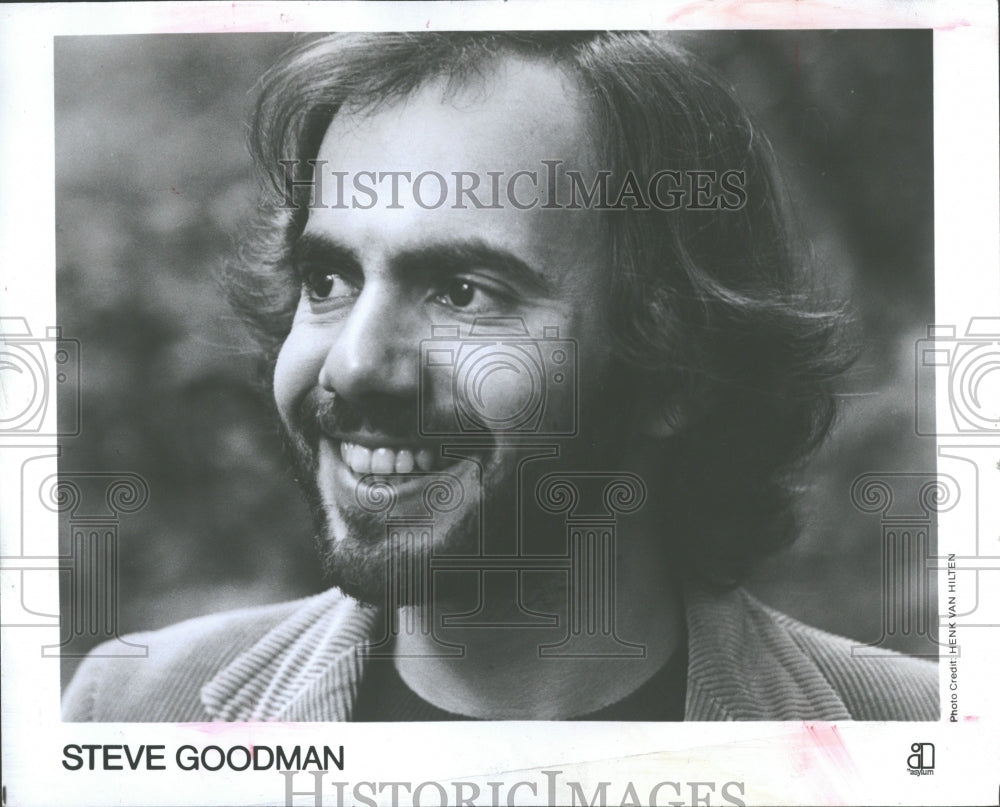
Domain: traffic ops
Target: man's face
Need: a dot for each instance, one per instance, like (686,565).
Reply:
(359,408)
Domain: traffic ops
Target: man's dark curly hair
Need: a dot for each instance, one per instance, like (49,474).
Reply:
(711,308)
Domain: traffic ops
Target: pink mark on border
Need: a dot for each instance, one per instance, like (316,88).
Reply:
(827,739)
(715,15)
(804,14)
(820,752)
(211,728)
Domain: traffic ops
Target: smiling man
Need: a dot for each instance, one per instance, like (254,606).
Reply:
(541,354)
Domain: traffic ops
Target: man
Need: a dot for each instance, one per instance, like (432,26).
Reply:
(540,350)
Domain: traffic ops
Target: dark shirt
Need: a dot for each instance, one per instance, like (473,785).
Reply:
(385,697)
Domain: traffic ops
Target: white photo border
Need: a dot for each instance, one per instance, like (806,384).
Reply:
(776,763)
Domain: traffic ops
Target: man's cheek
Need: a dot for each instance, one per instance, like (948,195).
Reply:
(292,377)
(502,396)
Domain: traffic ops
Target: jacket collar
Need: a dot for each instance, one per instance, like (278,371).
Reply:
(743,664)
(308,665)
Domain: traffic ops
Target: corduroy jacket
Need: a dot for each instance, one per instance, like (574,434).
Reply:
(302,661)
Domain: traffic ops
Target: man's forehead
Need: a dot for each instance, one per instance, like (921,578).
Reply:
(506,115)
(507,120)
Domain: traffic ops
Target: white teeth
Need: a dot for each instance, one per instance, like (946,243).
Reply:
(384,460)
(361,460)
(404,461)
(425,459)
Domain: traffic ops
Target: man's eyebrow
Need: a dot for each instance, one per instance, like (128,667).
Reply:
(316,248)
(439,258)
(454,257)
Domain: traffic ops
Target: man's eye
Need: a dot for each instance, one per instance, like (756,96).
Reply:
(458,293)
(322,284)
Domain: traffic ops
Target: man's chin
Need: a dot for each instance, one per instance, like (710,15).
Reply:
(389,565)
(358,571)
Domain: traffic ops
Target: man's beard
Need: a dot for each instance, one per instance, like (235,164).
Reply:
(370,553)
(364,553)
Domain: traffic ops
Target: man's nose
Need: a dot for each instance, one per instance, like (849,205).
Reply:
(375,349)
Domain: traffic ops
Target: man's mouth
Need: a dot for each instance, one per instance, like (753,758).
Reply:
(388,459)
(363,459)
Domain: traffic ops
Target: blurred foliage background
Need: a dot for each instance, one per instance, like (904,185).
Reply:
(152,180)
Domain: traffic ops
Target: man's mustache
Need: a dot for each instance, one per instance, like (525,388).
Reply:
(333,415)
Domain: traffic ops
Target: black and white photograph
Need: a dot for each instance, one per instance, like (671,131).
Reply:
(546,336)
(518,391)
